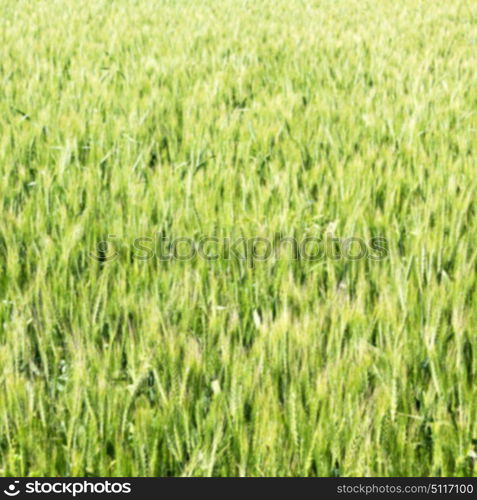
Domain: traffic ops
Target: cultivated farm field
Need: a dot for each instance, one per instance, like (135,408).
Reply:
(348,125)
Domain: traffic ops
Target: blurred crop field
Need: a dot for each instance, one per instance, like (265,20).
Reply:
(126,119)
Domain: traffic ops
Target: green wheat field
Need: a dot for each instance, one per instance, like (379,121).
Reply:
(125,119)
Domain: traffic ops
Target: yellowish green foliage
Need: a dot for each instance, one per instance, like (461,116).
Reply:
(238,118)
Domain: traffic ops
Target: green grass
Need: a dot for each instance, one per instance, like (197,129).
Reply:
(238,118)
